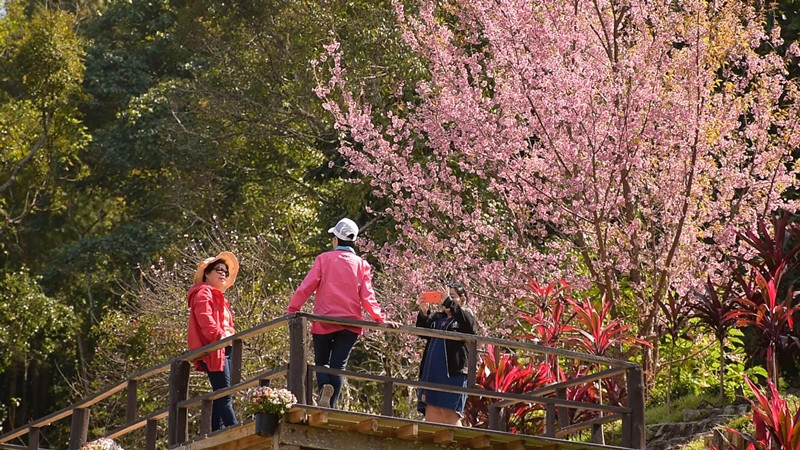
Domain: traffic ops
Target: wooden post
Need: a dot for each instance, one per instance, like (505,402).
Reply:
(298,358)
(388,396)
(563,412)
(178,392)
(496,417)
(236,362)
(33,438)
(597,434)
(633,432)
(626,429)
(472,363)
(152,434)
(80,428)
(132,408)
(598,437)
(205,416)
(311,388)
(550,420)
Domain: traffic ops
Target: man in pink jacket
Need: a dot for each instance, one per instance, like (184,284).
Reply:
(343,285)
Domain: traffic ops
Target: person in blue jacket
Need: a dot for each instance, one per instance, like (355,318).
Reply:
(445,361)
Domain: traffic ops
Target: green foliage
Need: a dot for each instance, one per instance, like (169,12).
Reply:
(658,413)
(741,423)
(133,47)
(738,365)
(696,365)
(40,133)
(3,415)
(698,444)
(48,61)
(34,325)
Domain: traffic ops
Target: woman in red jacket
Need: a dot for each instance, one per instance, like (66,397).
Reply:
(210,320)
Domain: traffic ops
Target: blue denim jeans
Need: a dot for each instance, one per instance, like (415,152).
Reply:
(333,350)
(222,413)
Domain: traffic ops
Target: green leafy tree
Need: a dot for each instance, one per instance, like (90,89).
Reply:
(40,130)
(41,140)
(35,327)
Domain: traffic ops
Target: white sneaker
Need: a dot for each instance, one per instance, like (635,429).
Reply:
(325,396)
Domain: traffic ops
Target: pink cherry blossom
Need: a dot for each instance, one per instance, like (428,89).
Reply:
(609,143)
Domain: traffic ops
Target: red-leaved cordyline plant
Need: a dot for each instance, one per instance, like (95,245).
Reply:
(549,325)
(717,312)
(776,427)
(508,374)
(544,296)
(772,318)
(775,251)
(599,139)
(777,258)
(596,334)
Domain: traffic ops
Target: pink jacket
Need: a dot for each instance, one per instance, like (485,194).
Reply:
(210,319)
(343,283)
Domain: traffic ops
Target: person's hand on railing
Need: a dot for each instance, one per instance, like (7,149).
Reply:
(392,324)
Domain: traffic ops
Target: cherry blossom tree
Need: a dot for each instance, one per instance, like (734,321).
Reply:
(619,144)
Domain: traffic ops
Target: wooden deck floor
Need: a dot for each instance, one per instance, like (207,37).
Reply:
(324,428)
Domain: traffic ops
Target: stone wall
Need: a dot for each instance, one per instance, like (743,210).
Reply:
(696,424)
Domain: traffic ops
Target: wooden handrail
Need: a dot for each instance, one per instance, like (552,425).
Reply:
(455,336)
(298,374)
(222,343)
(252,382)
(127,428)
(507,398)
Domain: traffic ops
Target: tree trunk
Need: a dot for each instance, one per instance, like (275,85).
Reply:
(669,373)
(721,369)
(772,364)
(12,393)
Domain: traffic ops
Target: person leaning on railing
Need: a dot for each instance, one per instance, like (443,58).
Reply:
(343,285)
(210,320)
(445,361)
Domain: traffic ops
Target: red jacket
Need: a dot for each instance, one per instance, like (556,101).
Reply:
(210,320)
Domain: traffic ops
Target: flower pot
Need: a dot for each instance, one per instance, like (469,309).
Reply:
(266,424)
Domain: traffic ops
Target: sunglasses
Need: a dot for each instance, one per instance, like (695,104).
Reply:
(221,270)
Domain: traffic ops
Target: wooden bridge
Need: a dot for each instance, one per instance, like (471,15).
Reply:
(310,427)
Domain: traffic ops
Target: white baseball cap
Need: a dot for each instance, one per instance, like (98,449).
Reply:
(345,230)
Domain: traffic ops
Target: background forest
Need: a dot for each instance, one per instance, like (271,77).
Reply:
(643,155)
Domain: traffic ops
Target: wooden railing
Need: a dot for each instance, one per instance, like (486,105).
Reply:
(298,374)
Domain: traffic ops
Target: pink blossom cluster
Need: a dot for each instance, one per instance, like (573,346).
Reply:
(265,399)
(616,144)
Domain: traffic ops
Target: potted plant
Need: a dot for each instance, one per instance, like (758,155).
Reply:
(268,405)
(101,444)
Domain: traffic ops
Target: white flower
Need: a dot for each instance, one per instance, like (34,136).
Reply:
(101,444)
(265,399)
